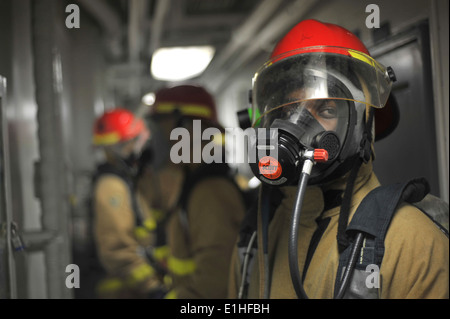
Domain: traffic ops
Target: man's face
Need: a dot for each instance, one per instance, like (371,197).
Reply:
(323,110)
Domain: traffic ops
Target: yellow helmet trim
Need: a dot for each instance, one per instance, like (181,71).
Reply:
(186,109)
(106,139)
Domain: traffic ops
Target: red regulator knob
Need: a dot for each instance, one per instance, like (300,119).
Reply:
(320,155)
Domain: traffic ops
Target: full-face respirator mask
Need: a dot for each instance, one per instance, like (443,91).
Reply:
(314,111)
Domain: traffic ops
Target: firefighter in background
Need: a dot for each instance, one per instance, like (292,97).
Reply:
(323,219)
(123,223)
(203,204)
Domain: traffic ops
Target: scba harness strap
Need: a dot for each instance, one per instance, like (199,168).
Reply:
(372,218)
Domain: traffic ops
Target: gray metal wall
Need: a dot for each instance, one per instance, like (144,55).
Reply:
(55,77)
(410,151)
(15,65)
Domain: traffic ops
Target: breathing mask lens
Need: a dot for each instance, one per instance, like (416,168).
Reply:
(312,118)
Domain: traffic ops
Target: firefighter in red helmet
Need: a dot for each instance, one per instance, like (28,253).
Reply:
(122,219)
(203,204)
(324,226)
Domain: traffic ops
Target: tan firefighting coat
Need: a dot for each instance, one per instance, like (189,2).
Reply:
(415,264)
(201,245)
(120,244)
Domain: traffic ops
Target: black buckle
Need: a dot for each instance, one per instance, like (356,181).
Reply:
(365,151)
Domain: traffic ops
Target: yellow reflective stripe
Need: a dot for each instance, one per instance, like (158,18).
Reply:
(367,59)
(139,274)
(110,285)
(150,224)
(171,295)
(161,252)
(361,56)
(167,280)
(106,139)
(158,214)
(186,109)
(181,267)
(141,232)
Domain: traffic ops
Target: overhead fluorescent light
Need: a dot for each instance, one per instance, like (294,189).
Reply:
(180,63)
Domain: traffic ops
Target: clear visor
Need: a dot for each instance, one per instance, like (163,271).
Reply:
(313,79)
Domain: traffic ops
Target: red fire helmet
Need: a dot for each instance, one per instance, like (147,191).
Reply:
(118,125)
(190,100)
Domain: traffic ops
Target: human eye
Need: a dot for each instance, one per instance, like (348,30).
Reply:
(326,109)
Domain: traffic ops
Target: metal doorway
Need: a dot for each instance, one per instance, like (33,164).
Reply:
(410,151)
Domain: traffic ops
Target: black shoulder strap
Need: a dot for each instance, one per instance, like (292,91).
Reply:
(273,198)
(372,218)
(107,168)
(375,212)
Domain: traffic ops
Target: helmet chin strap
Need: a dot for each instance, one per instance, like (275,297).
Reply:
(364,155)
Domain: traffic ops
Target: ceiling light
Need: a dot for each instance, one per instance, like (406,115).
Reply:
(180,63)
(149,98)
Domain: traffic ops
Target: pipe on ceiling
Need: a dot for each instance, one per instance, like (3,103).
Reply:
(244,33)
(161,11)
(109,21)
(262,39)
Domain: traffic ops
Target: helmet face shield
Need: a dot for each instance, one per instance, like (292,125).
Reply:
(330,73)
(320,95)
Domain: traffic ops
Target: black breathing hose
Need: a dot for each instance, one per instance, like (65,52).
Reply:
(245,266)
(293,235)
(293,241)
(351,265)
